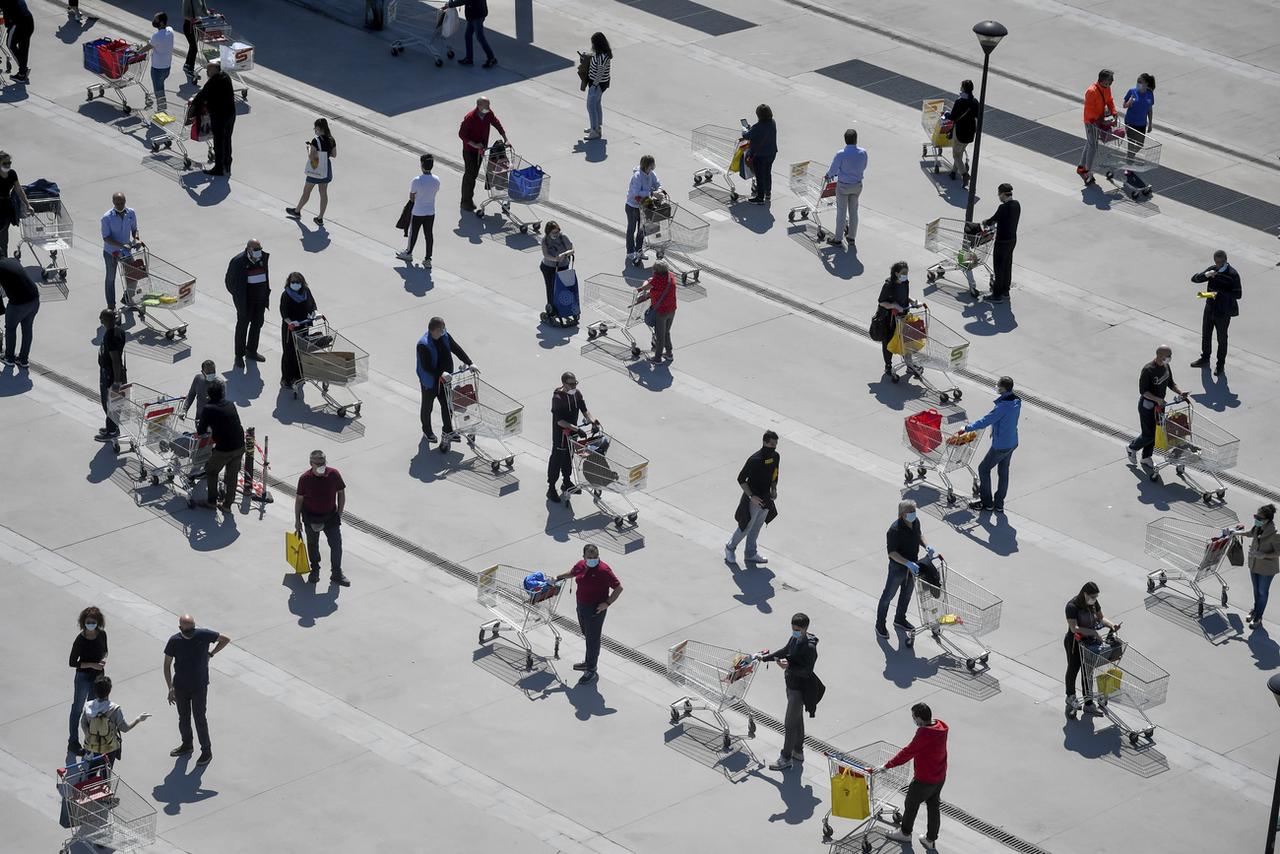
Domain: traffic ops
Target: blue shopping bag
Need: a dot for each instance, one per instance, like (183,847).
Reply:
(565,295)
(525,184)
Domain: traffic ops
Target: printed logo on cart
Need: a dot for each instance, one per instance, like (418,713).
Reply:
(957,354)
(638,474)
(512,421)
(184,291)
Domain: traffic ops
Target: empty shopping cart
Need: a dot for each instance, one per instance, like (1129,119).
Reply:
(216,40)
(47,229)
(959,246)
(809,183)
(613,300)
(428,25)
(1190,554)
(718,677)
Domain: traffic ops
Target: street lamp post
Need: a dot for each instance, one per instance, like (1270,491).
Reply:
(1274,684)
(989,34)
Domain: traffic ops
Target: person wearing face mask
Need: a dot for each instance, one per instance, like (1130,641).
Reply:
(758,481)
(804,689)
(162,58)
(186,674)
(20,26)
(322,495)
(103,722)
(1222,284)
(1085,622)
(248,282)
(557,255)
(964,127)
(218,97)
(1263,559)
(568,409)
(1005,219)
(1003,421)
(199,391)
(1154,381)
(321,150)
(928,749)
(220,420)
(435,352)
(597,588)
(1139,112)
(119,236)
(903,542)
(12,200)
(894,301)
(422,211)
(474,133)
(297,309)
(89,660)
(644,183)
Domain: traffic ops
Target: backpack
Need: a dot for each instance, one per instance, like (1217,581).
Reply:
(104,733)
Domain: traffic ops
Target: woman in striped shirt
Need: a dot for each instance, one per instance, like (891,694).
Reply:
(597,81)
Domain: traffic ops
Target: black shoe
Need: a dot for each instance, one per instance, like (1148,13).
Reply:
(313,577)
(466,62)
(239,363)
(1202,362)
(340,580)
(1217,372)
(431,437)
(257,357)
(978,505)
(293,212)
(206,756)
(587,677)
(318,220)
(582,665)
(552,495)
(569,488)
(21,78)
(23,363)
(181,750)
(997,510)
(490,62)
(882,631)
(952,174)
(904,624)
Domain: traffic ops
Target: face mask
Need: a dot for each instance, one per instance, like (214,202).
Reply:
(4,170)
(319,470)
(483,113)
(910,517)
(296,286)
(255,254)
(902,278)
(796,633)
(210,377)
(593,562)
(1223,268)
(1258,521)
(90,626)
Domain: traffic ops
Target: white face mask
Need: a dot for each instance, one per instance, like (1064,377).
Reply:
(297,286)
(4,170)
(255,254)
(210,377)
(319,470)
(89,627)
(902,278)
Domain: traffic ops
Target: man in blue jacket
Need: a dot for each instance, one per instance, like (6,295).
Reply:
(1003,421)
(435,363)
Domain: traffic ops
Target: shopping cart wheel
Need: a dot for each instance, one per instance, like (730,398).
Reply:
(342,412)
(697,176)
(168,336)
(982,659)
(494,466)
(822,234)
(356,411)
(479,213)
(944,398)
(155,148)
(726,743)
(557,650)
(1151,585)
(481,638)
(244,94)
(449,53)
(617,522)
(1133,739)
(591,333)
(511,463)
(1150,733)
(970,665)
(524,229)
(396,49)
(733,197)
(956,394)
(528,661)
(909,640)
(115,446)
(1208,497)
(951,497)
(930,276)
(634,516)
(675,717)
(1221,493)
(635,352)
(866,845)
(907,478)
(1180,470)
(182,332)
(1224,597)
(439,62)
(186,163)
(88,94)
(827,832)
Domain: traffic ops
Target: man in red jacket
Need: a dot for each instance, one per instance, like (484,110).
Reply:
(929,750)
(474,133)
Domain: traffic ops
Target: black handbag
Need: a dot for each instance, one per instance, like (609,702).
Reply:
(879,328)
(1235,553)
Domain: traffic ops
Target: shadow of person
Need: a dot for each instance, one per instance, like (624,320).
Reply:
(1083,737)
(1265,651)
(1217,394)
(756,584)
(596,150)
(654,376)
(902,666)
(429,464)
(989,318)
(1096,196)
(417,280)
(951,189)
(797,796)
(1002,538)
(180,787)
(215,188)
(587,701)
(244,385)
(757,218)
(312,239)
(103,464)
(471,227)
(14,381)
(210,530)
(551,336)
(70,31)
(306,602)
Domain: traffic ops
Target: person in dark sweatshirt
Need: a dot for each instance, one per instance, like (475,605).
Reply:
(762,140)
(929,750)
(218,98)
(796,659)
(297,311)
(1222,281)
(436,350)
(1005,220)
(89,659)
(964,127)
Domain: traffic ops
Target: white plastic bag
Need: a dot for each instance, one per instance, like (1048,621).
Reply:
(449,22)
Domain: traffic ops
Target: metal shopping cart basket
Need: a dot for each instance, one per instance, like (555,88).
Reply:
(666,226)
(1119,675)
(49,232)
(151,283)
(1128,152)
(518,606)
(809,183)
(937,130)
(938,451)
(104,811)
(608,470)
(118,65)
(327,359)
(479,409)
(1190,554)
(957,612)
(152,430)
(717,677)
(164,130)
(1187,439)
(922,341)
(428,25)
(859,795)
(510,179)
(959,247)
(614,300)
(716,146)
(216,40)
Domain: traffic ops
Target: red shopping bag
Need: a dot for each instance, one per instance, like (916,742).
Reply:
(464,396)
(829,191)
(924,430)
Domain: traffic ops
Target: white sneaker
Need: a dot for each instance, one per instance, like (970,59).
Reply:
(898,835)
(1133,456)
(1074,703)
(405,256)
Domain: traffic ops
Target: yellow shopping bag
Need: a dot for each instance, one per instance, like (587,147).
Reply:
(849,795)
(1172,431)
(1109,682)
(915,342)
(295,553)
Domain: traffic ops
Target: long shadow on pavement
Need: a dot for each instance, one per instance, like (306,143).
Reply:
(180,787)
(307,603)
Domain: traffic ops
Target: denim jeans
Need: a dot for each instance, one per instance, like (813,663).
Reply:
(332,532)
(112,263)
(1261,590)
(476,28)
(592,624)
(997,458)
(662,334)
(83,687)
(635,234)
(595,111)
(901,581)
(19,317)
(754,526)
(1145,440)
(158,76)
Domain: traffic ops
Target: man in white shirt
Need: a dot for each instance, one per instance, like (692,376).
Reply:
(847,168)
(422,192)
(162,58)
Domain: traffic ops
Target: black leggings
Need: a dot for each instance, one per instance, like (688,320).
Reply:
(189,30)
(1073,667)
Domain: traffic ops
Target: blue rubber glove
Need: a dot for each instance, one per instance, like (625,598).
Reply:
(914,567)
(929,552)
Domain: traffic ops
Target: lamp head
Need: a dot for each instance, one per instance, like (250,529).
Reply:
(1274,684)
(989,34)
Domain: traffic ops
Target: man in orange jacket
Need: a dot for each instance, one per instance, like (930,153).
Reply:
(1099,112)
(929,750)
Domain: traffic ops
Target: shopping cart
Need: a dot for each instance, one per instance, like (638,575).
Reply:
(510,179)
(432,30)
(49,232)
(151,429)
(1186,439)
(614,299)
(718,677)
(881,787)
(938,451)
(927,342)
(716,146)
(150,283)
(215,40)
(517,606)
(164,130)
(1118,675)
(104,811)
(479,409)
(609,470)
(1190,553)
(937,130)
(959,247)
(327,359)
(117,65)
(1128,152)
(8,65)
(957,612)
(667,226)
(809,183)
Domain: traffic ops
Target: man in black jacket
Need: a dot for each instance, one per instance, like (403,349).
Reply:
(758,481)
(1222,284)
(220,420)
(1006,221)
(568,410)
(218,97)
(436,349)
(24,301)
(247,282)
(804,688)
